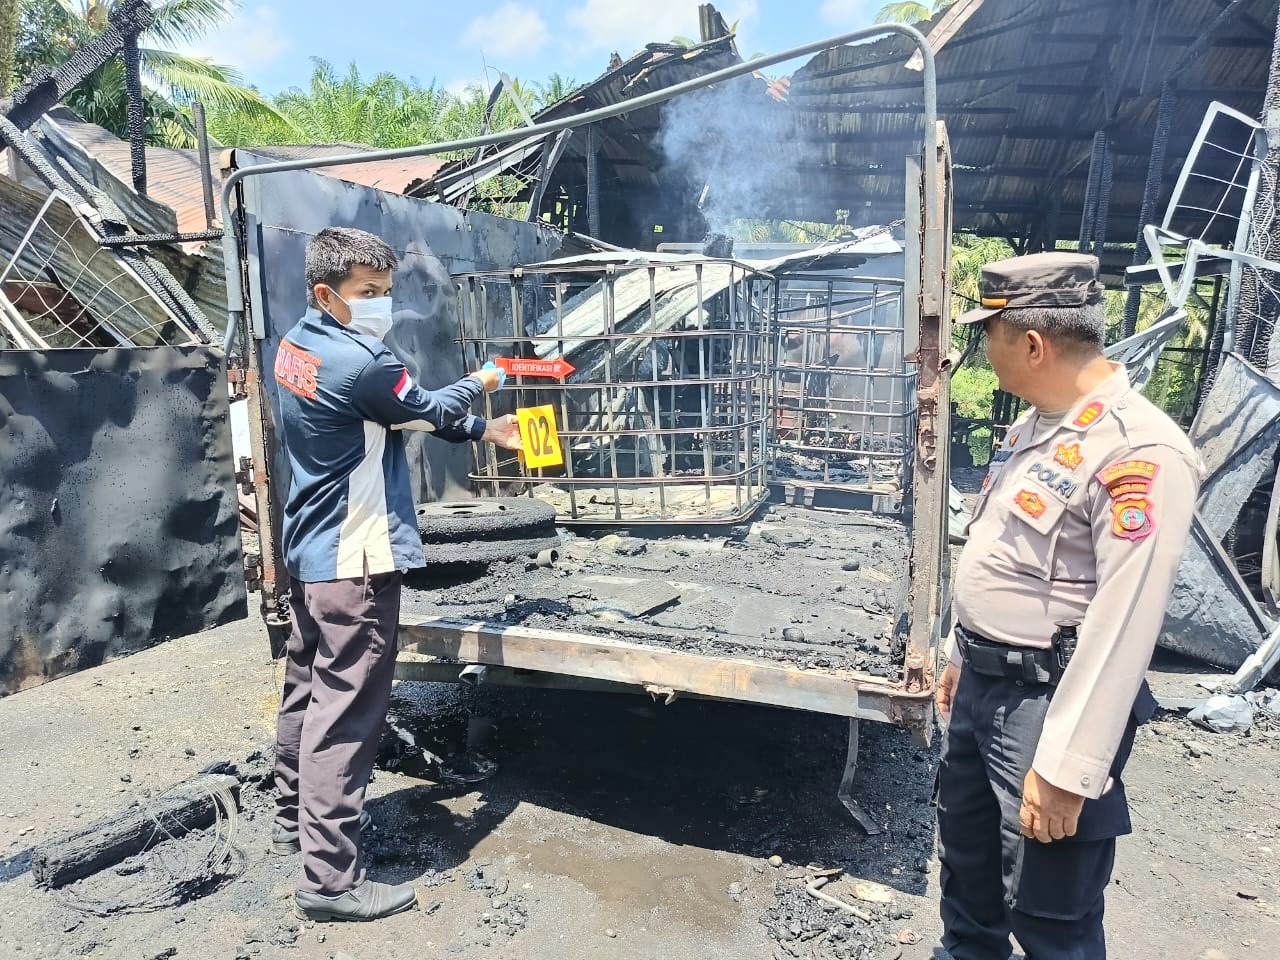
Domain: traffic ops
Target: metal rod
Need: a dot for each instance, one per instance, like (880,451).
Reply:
(933,212)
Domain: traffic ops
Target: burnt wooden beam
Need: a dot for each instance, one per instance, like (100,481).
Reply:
(187,807)
(128,18)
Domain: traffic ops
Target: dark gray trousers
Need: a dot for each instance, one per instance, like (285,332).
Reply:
(995,881)
(341,661)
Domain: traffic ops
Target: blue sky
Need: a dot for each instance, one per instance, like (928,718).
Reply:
(270,41)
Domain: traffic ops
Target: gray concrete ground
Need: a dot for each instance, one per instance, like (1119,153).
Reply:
(612,828)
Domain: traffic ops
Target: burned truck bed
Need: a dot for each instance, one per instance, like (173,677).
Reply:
(799,608)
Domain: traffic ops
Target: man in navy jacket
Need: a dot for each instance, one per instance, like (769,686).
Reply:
(349,533)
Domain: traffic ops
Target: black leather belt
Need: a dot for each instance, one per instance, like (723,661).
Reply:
(992,659)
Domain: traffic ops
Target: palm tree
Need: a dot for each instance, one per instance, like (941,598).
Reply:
(10,21)
(555,89)
(910,11)
(172,81)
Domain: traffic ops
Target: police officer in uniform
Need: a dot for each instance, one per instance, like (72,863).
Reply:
(1059,597)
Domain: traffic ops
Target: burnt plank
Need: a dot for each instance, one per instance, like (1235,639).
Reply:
(188,806)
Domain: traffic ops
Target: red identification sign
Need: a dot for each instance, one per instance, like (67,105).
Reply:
(517,367)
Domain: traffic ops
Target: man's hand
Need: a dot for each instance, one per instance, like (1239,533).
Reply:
(504,432)
(947,689)
(1048,812)
(490,377)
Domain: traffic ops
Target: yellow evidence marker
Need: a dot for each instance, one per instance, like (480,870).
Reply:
(539,437)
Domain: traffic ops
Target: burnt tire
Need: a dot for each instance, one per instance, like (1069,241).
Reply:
(486,529)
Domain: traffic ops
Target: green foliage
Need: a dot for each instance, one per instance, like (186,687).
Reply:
(909,11)
(972,387)
(52,30)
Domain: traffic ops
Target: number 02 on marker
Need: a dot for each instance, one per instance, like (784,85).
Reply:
(538,435)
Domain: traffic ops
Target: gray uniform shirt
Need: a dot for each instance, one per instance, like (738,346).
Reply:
(1083,517)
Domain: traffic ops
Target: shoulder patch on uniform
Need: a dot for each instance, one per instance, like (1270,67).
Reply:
(986,483)
(1089,414)
(296,370)
(1131,518)
(1030,503)
(1069,455)
(1125,477)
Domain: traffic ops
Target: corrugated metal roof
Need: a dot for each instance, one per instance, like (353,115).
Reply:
(1022,86)
(173,176)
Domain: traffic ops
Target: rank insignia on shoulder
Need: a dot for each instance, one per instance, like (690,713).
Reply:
(1089,414)
(1069,455)
(1013,440)
(1131,518)
(1031,504)
(986,483)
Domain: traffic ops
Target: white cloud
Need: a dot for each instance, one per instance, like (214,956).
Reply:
(850,14)
(459,87)
(511,30)
(624,27)
(252,39)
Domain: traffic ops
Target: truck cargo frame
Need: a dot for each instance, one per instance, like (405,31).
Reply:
(441,648)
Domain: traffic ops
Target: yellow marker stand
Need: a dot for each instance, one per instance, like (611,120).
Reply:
(539,437)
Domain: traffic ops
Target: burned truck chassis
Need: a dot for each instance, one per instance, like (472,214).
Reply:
(444,648)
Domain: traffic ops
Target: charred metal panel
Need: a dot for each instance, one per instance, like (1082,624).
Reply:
(118,513)
(1211,615)
(1236,433)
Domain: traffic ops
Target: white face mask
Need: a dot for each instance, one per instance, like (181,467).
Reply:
(370,316)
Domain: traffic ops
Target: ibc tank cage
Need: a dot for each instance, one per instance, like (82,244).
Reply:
(665,416)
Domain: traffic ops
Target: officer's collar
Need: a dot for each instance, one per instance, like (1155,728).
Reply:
(1094,405)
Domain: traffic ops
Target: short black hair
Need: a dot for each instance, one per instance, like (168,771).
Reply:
(1075,329)
(335,251)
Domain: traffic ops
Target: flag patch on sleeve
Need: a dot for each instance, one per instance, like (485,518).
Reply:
(403,385)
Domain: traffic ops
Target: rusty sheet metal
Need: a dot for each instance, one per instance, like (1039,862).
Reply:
(118,515)
(434,242)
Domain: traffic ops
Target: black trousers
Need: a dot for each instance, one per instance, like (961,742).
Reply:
(995,881)
(337,683)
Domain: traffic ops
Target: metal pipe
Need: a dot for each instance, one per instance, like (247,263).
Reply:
(933,212)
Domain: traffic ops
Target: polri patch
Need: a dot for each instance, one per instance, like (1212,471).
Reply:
(1031,504)
(1055,480)
(1089,414)
(1131,518)
(1069,455)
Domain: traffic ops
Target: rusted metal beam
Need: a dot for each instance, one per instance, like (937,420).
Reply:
(840,693)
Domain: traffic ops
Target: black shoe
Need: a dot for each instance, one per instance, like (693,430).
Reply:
(368,901)
(285,843)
